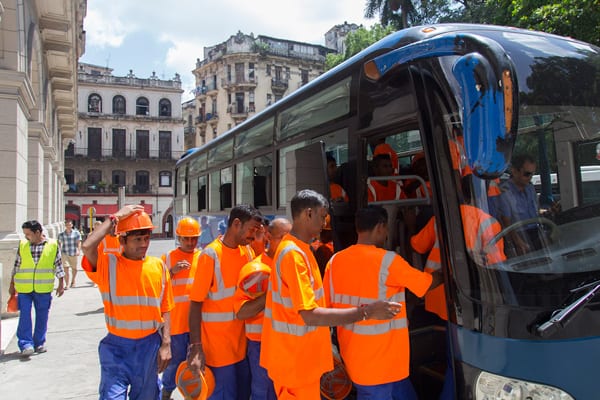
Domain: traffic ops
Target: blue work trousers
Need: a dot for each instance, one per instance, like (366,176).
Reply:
(262,385)
(400,390)
(41,302)
(129,364)
(179,345)
(232,382)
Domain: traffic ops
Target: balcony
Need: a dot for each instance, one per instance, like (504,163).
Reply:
(212,118)
(84,153)
(128,81)
(189,130)
(236,84)
(109,189)
(279,86)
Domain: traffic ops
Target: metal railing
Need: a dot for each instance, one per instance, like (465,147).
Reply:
(109,188)
(122,154)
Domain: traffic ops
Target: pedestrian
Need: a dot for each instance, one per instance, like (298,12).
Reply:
(137,296)
(366,272)
(250,309)
(217,337)
(181,263)
(37,262)
(70,247)
(296,346)
(206,236)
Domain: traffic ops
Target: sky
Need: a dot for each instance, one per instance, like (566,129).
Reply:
(167,36)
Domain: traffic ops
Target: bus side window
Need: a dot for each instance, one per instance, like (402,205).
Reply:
(260,191)
(225,196)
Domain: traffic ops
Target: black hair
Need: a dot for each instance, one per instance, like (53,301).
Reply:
(519,160)
(368,218)
(330,158)
(307,198)
(245,213)
(137,232)
(380,157)
(32,225)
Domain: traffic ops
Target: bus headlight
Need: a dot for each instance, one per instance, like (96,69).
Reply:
(490,386)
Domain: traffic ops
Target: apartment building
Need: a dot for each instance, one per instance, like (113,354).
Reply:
(40,42)
(246,74)
(129,135)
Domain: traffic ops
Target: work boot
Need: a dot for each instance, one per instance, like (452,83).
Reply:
(166,395)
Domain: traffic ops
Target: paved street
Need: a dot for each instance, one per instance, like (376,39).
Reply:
(70,368)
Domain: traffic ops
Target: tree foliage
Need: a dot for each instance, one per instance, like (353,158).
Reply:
(357,41)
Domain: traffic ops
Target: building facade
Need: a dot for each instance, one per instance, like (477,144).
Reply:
(129,135)
(335,38)
(188,112)
(40,43)
(246,74)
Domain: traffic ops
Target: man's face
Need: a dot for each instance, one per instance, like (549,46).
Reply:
(188,244)
(32,237)
(69,225)
(316,219)
(384,167)
(246,231)
(135,246)
(260,238)
(522,176)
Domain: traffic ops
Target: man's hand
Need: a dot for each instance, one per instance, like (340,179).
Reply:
(60,290)
(11,288)
(164,356)
(128,210)
(382,310)
(195,358)
(180,266)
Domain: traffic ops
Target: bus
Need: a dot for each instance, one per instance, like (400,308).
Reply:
(466,99)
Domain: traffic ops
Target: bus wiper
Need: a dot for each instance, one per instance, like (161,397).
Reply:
(561,317)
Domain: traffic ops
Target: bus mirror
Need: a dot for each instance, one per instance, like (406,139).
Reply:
(487,79)
(488,114)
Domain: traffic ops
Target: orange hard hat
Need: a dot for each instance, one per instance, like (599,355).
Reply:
(193,387)
(336,384)
(254,278)
(188,227)
(12,306)
(136,221)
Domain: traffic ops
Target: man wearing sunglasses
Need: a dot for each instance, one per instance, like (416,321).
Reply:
(518,202)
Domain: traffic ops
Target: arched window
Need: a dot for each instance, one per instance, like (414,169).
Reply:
(94,178)
(119,105)
(94,103)
(164,108)
(142,106)
(142,182)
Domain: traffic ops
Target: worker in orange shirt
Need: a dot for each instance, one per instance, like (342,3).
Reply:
(137,296)
(382,190)
(479,228)
(336,191)
(376,354)
(384,148)
(296,345)
(325,250)
(181,263)
(250,310)
(217,337)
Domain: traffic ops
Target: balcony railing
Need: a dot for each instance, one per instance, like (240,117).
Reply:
(122,154)
(235,81)
(108,188)
(279,84)
(189,129)
(129,81)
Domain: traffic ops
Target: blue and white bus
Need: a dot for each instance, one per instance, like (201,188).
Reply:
(467,97)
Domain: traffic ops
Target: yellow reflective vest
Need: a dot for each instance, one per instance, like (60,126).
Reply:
(32,277)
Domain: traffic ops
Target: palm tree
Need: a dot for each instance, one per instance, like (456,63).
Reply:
(386,10)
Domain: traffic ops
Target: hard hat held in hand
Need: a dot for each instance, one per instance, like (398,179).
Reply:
(136,221)
(188,227)
(336,384)
(254,278)
(193,387)
(12,306)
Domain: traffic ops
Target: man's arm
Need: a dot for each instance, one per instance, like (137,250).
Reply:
(90,246)
(322,316)
(252,307)
(195,353)
(164,351)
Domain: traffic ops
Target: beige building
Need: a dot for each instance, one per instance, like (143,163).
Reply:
(246,74)
(188,112)
(40,43)
(129,135)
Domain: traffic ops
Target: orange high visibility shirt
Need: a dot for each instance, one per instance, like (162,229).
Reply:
(379,192)
(110,244)
(181,283)
(337,192)
(135,293)
(223,339)
(294,354)
(374,352)
(253,325)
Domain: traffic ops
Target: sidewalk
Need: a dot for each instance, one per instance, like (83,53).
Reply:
(70,369)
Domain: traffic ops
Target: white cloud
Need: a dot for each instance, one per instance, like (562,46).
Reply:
(104,29)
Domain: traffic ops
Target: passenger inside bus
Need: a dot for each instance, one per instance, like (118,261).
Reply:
(336,191)
(383,148)
(382,190)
